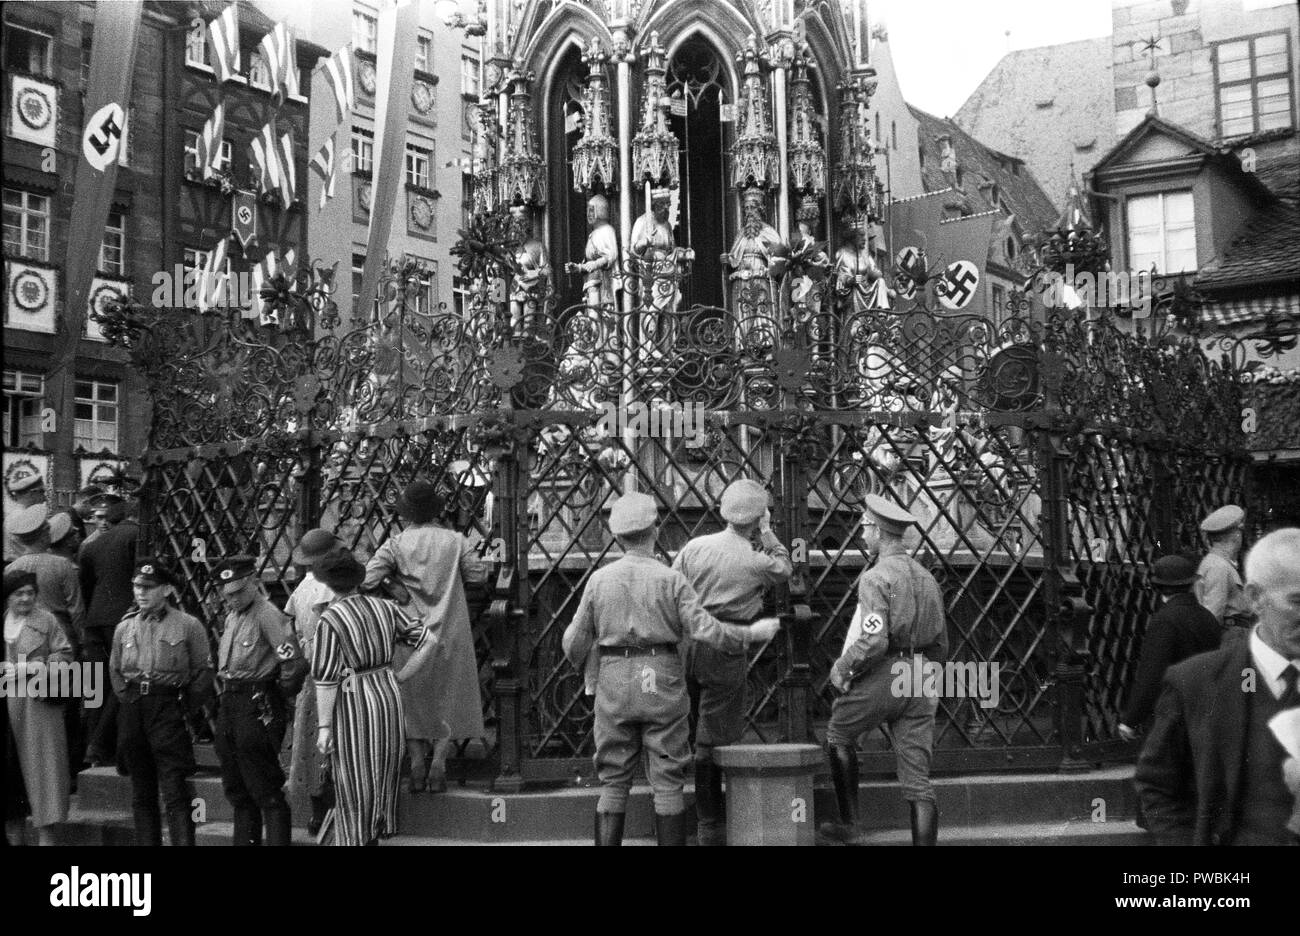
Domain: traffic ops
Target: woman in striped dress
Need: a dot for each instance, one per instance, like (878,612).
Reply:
(358,704)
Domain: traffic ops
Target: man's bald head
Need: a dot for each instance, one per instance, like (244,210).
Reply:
(1273,588)
(1275,559)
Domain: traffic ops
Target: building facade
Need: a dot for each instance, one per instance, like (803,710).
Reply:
(165,221)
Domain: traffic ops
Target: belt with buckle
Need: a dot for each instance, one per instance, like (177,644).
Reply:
(147,686)
(649,650)
(245,685)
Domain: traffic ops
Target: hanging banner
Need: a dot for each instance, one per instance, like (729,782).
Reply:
(398,27)
(243,218)
(108,95)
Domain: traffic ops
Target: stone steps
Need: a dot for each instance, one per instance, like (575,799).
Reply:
(1007,808)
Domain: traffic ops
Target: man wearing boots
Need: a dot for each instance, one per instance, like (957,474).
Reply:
(633,615)
(729,575)
(159,658)
(252,715)
(901,618)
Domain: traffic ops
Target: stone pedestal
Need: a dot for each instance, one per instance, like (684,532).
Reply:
(770,793)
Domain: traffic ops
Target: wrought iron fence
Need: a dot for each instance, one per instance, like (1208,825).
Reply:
(1049,457)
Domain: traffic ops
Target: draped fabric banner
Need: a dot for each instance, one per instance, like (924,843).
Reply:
(108,95)
(398,27)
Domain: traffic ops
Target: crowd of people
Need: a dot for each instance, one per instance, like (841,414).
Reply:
(372,662)
(365,663)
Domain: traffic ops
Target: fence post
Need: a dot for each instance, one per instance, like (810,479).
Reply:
(509,608)
(1067,613)
(795,693)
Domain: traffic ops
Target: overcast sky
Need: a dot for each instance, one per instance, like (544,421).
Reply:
(944,48)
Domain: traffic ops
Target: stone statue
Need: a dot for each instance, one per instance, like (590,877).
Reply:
(808,259)
(655,247)
(531,284)
(601,255)
(859,285)
(758,260)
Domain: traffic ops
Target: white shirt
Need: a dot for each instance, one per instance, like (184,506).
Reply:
(1269,663)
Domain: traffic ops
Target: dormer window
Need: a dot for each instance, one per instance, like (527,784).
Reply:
(1161,232)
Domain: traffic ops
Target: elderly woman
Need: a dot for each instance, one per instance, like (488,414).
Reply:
(358,705)
(34,639)
(433,564)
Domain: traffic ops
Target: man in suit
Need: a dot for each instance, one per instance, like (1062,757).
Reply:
(1181,628)
(107,567)
(1211,771)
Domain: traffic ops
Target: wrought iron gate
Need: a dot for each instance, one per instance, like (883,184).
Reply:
(1051,458)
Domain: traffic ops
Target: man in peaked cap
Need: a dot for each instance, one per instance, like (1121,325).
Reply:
(729,575)
(28,491)
(252,713)
(900,617)
(1219,587)
(160,658)
(634,613)
(1180,628)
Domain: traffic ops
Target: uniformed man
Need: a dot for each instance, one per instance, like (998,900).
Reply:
(27,491)
(729,575)
(159,657)
(634,614)
(901,618)
(252,711)
(1219,587)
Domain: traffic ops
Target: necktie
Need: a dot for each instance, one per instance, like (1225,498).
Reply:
(1290,692)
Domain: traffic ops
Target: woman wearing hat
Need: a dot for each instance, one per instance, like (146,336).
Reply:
(433,563)
(358,703)
(35,725)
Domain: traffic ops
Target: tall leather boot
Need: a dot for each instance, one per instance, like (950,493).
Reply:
(925,822)
(248,826)
(844,774)
(708,803)
(609,828)
(279,822)
(671,829)
(148,825)
(319,807)
(180,827)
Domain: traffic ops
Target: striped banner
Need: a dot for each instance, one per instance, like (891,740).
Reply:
(209,156)
(339,69)
(266,159)
(214,279)
(278,48)
(288,173)
(223,35)
(323,165)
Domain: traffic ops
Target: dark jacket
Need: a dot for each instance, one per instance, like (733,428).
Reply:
(1181,628)
(1189,775)
(107,567)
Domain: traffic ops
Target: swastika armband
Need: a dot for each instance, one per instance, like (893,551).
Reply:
(285,651)
(873,624)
